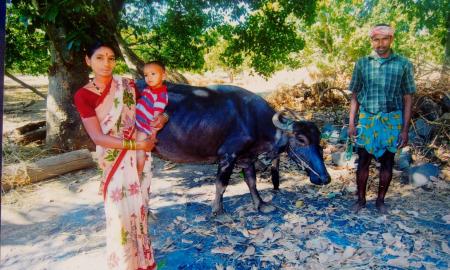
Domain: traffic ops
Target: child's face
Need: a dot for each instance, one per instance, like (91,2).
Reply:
(154,75)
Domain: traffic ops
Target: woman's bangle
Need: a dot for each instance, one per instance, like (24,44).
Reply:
(129,144)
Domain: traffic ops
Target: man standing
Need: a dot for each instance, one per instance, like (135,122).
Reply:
(382,86)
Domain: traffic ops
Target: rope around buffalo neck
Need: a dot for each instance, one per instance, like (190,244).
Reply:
(302,161)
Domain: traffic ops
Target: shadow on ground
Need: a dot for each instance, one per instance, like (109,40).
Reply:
(318,233)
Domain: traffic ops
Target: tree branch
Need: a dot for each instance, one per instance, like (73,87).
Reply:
(134,63)
(27,86)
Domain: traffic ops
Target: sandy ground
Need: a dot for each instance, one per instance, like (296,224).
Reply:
(59,224)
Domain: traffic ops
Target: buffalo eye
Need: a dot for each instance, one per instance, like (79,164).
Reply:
(303,140)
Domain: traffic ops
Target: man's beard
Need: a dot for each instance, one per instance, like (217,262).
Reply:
(382,51)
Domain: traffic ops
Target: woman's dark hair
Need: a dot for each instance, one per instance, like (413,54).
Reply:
(90,50)
(158,63)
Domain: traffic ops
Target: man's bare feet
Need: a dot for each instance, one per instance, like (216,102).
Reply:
(382,208)
(358,206)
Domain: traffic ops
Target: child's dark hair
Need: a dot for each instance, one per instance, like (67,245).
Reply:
(90,50)
(158,63)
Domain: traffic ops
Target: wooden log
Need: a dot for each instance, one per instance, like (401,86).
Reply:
(27,173)
(32,136)
(29,127)
(30,132)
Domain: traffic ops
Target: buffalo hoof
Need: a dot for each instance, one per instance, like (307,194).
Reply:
(223,219)
(266,208)
(218,212)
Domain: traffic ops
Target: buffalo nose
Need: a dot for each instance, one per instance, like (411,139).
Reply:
(327,180)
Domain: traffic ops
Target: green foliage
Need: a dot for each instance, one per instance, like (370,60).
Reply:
(121,67)
(26,45)
(268,37)
(340,34)
(27,36)
(264,36)
(176,38)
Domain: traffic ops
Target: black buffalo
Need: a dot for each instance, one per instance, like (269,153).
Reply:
(233,126)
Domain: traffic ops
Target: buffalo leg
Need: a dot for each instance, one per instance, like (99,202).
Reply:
(223,177)
(275,172)
(250,180)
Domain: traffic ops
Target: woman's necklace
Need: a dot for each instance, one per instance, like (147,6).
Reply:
(96,87)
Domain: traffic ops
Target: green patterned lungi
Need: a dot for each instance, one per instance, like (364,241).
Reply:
(379,132)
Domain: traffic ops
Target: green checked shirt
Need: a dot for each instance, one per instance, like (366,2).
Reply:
(381,83)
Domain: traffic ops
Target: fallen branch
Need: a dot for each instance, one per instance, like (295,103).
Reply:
(27,86)
(16,107)
(28,173)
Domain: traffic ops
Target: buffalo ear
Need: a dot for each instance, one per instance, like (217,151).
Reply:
(310,130)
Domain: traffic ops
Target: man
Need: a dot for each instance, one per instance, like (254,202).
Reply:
(382,86)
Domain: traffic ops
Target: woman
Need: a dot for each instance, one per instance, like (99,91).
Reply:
(107,108)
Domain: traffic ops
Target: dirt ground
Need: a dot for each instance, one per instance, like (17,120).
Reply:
(59,224)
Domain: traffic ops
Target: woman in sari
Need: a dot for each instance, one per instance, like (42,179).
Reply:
(107,108)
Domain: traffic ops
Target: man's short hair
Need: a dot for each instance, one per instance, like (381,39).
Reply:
(382,24)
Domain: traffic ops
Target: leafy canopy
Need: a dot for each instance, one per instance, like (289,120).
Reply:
(264,36)
(178,32)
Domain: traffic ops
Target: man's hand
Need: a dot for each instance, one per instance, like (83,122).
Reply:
(402,139)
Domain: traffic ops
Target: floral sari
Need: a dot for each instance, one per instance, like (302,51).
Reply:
(125,195)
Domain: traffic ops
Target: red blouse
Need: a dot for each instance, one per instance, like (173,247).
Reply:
(86,101)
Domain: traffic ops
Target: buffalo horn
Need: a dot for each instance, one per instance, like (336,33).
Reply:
(283,126)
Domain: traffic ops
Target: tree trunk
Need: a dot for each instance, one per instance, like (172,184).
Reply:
(67,73)
(134,63)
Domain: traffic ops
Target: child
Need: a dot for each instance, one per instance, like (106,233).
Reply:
(149,110)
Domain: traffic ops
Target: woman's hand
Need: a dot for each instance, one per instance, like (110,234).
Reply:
(147,145)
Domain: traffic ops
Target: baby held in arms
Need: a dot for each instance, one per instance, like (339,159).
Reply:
(150,116)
